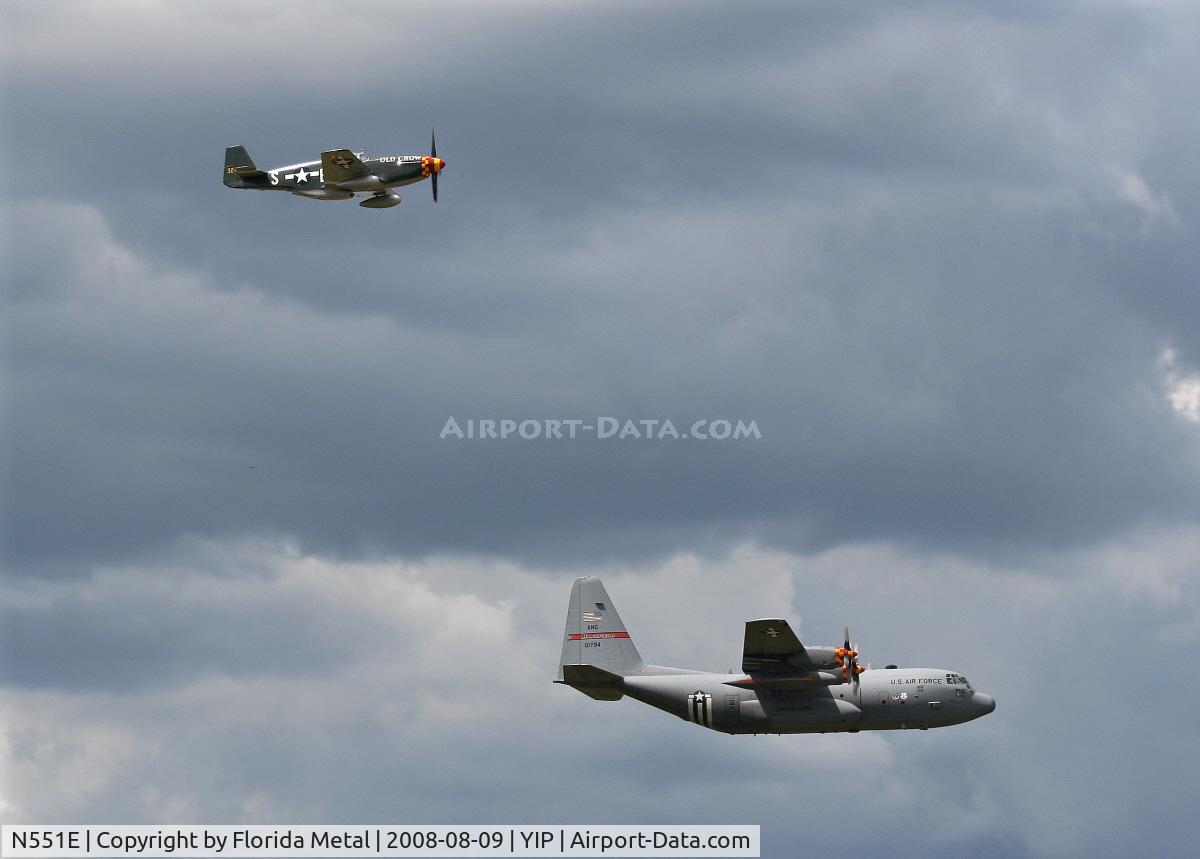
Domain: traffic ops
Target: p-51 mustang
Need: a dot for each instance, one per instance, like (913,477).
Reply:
(785,687)
(339,175)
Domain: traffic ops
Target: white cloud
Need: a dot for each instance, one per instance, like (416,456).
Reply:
(441,689)
(1154,207)
(1183,388)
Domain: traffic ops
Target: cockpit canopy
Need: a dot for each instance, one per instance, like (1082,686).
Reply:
(957,680)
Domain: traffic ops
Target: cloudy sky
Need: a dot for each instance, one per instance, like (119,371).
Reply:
(943,255)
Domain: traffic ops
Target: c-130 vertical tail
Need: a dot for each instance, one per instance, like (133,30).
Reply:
(597,650)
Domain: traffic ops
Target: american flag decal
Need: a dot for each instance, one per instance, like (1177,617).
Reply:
(591,616)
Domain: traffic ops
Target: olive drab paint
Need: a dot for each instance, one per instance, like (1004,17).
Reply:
(339,175)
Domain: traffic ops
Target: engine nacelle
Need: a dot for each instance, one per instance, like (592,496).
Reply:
(822,657)
(828,678)
(381,201)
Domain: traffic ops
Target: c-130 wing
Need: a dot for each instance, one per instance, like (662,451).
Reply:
(771,647)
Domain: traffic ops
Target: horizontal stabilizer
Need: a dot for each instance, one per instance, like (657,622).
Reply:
(593,682)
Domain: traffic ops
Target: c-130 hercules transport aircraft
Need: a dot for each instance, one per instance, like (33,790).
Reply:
(785,688)
(339,175)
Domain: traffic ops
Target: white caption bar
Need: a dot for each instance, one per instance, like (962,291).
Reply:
(154,842)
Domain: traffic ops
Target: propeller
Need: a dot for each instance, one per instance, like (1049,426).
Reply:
(846,658)
(433,152)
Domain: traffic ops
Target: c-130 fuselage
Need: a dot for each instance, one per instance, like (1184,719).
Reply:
(786,688)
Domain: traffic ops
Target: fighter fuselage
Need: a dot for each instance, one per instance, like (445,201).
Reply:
(387,171)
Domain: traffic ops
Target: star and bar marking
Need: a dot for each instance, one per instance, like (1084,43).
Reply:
(301,175)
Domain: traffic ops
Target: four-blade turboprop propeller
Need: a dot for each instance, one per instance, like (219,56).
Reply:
(339,175)
(846,658)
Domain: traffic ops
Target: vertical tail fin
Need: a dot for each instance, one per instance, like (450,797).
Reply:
(239,168)
(595,635)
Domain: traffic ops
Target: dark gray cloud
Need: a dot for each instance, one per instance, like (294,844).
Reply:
(876,236)
(943,256)
(976,399)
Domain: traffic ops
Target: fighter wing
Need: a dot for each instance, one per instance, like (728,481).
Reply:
(340,165)
(772,647)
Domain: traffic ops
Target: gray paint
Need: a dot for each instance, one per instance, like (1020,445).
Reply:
(789,698)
